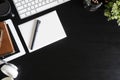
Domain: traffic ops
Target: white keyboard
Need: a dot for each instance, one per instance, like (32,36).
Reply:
(27,8)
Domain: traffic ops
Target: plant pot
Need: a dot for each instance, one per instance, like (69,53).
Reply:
(91,6)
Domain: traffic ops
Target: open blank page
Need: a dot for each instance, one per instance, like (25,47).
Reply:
(50,30)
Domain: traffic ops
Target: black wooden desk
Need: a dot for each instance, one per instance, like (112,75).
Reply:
(90,52)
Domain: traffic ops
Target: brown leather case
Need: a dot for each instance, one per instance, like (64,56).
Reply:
(6,43)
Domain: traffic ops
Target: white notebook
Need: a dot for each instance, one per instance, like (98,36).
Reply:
(50,30)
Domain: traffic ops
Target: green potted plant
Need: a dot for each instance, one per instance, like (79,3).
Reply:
(112,10)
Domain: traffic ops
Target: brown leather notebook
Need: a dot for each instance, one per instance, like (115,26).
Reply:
(6,42)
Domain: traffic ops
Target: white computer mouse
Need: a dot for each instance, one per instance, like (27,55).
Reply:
(10,70)
(7,78)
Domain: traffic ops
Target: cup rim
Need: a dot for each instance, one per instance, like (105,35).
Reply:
(9,10)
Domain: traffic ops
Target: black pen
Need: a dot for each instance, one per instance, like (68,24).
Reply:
(35,32)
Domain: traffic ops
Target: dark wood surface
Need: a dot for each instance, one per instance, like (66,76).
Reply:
(90,52)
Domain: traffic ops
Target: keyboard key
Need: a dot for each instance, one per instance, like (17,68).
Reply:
(33,11)
(25,1)
(36,1)
(43,3)
(20,7)
(32,7)
(40,0)
(25,5)
(36,5)
(28,9)
(29,4)
(28,13)
(18,4)
(22,11)
(33,3)
(23,15)
(47,1)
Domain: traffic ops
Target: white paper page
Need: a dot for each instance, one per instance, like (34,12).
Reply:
(50,30)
